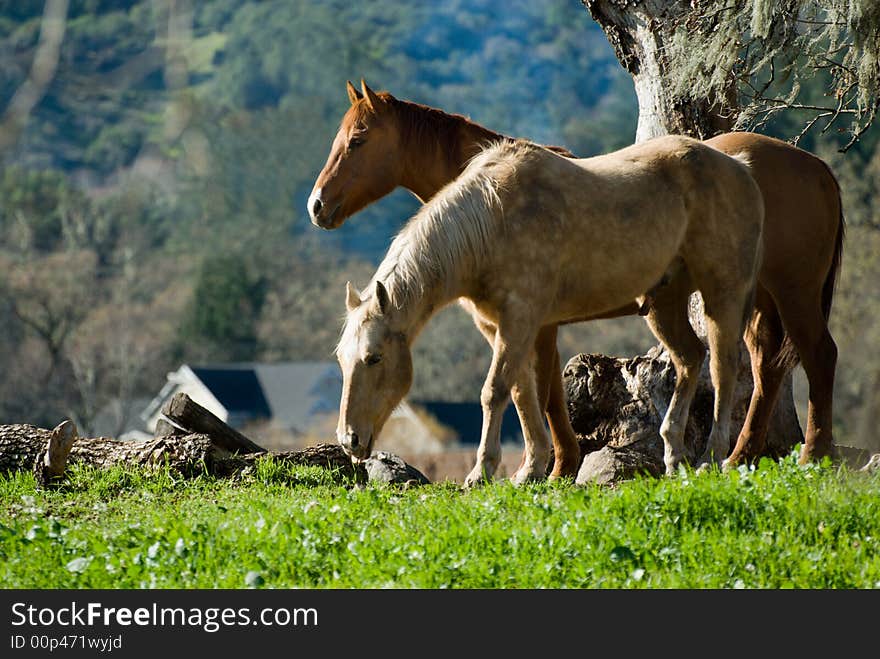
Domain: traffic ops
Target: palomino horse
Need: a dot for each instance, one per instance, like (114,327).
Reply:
(384,142)
(670,203)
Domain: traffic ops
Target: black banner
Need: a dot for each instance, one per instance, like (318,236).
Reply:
(126,623)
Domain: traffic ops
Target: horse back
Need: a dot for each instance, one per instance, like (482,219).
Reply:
(802,206)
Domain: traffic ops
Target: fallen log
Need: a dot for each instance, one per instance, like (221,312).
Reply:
(46,453)
(188,414)
(165,428)
(23,447)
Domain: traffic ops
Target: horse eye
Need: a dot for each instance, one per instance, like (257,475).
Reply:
(371,360)
(355,142)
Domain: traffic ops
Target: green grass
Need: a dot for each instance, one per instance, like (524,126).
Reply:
(780,526)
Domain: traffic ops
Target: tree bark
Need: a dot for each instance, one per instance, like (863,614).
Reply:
(50,467)
(638,31)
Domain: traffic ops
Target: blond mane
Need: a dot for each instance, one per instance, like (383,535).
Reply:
(454,230)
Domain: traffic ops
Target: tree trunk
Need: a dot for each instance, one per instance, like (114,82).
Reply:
(638,30)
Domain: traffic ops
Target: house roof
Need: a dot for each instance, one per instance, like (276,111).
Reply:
(289,393)
(466,419)
(298,391)
(236,388)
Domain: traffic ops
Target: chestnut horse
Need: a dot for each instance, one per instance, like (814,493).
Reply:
(384,142)
(499,239)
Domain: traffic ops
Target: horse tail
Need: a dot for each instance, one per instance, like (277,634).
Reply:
(834,271)
(787,357)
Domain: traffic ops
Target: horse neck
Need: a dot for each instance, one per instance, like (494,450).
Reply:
(417,297)
(419,311)
(438,150)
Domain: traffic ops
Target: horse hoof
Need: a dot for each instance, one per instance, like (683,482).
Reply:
(523,476)
(565,468)
(672,466)
(474,479)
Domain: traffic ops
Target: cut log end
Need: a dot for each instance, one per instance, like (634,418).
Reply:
(187,414)
(49,467)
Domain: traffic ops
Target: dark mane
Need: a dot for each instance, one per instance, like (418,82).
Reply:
(425,127)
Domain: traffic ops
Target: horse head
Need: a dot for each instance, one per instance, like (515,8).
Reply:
(364,162)
(376,364)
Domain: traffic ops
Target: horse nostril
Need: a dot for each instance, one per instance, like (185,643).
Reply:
(316,206)
(353,440)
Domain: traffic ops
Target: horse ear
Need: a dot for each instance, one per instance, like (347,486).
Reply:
(372,100)
(381,302)
(352,297)
(353,94)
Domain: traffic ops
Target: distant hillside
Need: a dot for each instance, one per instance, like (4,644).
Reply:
(152,212)
(263,88)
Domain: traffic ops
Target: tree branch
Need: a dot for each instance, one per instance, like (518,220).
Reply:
(42,71)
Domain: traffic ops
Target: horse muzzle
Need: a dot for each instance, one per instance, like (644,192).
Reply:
(355,446)
(320,214)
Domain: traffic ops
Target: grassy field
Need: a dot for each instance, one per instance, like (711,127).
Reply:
(779,526)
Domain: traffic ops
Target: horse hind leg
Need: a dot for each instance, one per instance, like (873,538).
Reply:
(763,338)
(806,325)
(725,320)
(668,320)
(645,301)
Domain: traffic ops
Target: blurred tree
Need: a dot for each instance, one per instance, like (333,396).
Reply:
(221,322)
(122,349)
(34,202)
(51,295)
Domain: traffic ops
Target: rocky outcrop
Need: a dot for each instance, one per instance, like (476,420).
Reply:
(617,405)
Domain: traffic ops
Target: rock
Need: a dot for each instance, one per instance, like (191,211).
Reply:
(384,467)
(618,404)
(873,464)
(610,465)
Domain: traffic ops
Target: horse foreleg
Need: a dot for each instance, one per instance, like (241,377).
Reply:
(668,321)
(509,357)
(548,374)
(537,445)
